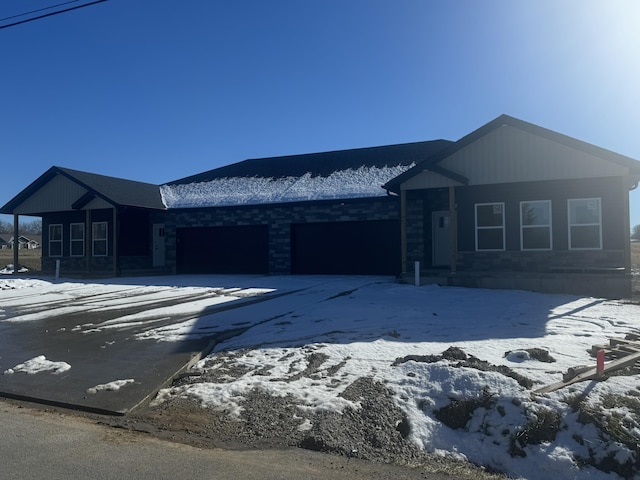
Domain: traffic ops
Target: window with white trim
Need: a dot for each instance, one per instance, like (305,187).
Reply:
(55,240)
(76,239)
(490,226)
(585,224)
(99,232)
(535,225)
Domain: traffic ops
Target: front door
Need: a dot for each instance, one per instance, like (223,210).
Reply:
(441,239)
(158,245)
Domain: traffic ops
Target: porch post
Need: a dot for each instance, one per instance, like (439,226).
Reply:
(87,245)
(115,241)
(453,228)
(403,230)
(16,244)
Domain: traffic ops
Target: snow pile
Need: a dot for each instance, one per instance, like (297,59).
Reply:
(9,269)
(37,365)
(350,183)
(111,386)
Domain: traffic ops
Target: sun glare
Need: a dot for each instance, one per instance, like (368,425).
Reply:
(614,43)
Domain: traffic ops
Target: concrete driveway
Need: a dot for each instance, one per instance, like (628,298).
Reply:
(95,332)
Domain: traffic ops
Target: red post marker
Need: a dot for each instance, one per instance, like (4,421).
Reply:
(600,362)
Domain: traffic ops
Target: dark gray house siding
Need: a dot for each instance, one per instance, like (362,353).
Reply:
(133,234)
(611,191)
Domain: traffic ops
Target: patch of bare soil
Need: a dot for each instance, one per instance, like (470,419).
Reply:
(464,360)
(376,432)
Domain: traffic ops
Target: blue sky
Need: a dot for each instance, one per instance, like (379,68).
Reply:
(155,90)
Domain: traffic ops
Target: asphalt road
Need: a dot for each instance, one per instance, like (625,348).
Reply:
(37,444)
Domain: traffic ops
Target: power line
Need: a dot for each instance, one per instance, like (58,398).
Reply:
(38,10)
(49,14)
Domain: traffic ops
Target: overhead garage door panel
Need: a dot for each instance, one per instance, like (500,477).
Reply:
(346,248)
(238,249)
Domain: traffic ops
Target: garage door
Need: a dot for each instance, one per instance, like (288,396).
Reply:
(346,248)
(243,249)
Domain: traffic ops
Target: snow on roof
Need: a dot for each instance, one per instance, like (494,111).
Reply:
(341,184)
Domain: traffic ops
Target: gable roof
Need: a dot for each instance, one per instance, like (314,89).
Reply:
(433,163)
(36,238)
(114,191)
(341,174)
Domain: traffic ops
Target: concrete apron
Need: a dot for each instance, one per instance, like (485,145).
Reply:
(97,358)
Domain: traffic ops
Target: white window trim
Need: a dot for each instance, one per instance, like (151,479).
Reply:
(105,239)
(56,241)
(504,243)
(549,225)
(599,224)
(75,240)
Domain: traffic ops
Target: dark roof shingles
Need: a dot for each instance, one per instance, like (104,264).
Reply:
(322,164)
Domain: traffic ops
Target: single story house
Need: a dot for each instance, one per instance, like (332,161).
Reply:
(510,205)
(27,243)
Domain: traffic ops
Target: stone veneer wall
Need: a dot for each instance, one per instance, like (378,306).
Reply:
(541,261)
(419,206)
(279,218)
(99,265)
(78,265)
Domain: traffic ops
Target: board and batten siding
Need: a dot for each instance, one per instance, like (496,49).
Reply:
(96,204)
(55,196)
(510,155)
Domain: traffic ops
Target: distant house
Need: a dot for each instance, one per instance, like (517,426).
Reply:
(24,242)
(511,205)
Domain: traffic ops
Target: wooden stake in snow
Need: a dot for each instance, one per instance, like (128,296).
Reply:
(592,373)
(600,362)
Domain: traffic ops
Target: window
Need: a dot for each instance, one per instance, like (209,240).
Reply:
(535,225)
(55,240)
(490,226)
(99,239)
(585,224)
(76,235)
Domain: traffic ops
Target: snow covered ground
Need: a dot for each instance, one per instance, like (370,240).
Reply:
(8,269)
(374,327)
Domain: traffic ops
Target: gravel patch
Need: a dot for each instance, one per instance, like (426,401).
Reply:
(374,432)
